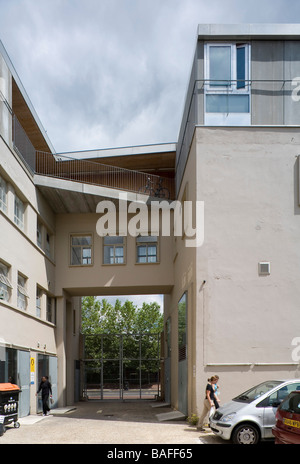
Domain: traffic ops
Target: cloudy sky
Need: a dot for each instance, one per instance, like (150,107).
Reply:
(113,73)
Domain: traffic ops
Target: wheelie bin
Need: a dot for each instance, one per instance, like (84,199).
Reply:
(9,405)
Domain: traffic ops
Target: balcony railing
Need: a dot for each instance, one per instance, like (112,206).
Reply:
(92,172)
(85,171)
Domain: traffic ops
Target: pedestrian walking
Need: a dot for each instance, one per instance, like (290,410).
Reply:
(210,402)
(45,387)
(217,392)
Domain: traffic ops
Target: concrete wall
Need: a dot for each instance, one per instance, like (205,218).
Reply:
(105,279)
(248,179)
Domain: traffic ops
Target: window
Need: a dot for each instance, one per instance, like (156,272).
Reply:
(38,302)
(51,310)
(19,212)
(113,250)
(227,76)
(22,293)
(279,395)
(147,249)
(292,403)
(39,234)
(182,328)
(48,245)
(3,195)
(81,250)
(168,337)
(5,285)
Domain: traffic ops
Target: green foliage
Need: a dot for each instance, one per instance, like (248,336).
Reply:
(193,419)
(110,328)
(101,317)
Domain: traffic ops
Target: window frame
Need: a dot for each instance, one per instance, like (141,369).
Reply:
(38,302)
(233,90)
(114,246)
(3,195)
(78,235)
(147,243)
(233,87)
(19,212)
(22,295)
(5,284)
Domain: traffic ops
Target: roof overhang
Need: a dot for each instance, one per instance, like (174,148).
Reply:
(248,31)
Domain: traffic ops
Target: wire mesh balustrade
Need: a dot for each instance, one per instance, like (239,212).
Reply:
(92,172)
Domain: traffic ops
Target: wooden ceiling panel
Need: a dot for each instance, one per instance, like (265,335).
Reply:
(26,119)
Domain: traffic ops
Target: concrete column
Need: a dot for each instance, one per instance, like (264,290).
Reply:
(61,330)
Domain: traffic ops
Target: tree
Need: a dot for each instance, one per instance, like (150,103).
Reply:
(101,317)
(109,329)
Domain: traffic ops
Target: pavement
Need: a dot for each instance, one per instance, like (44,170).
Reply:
(109,422)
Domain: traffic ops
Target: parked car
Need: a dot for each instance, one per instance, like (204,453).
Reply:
(287,427)
(250,416)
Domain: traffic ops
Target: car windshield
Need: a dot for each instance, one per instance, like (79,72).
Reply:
(257,391)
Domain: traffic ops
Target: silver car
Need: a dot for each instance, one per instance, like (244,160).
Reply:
(249,417)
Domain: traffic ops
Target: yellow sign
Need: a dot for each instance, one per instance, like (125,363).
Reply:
(32,364)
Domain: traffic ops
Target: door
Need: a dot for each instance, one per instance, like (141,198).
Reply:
(53,379)
(24,382)
(182,355)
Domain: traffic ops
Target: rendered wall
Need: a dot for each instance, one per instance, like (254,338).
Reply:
(248,179)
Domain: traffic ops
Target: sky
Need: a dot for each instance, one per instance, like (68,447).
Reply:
(114,73)
(138,300)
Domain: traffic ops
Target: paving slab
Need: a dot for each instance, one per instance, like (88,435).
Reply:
(107,423)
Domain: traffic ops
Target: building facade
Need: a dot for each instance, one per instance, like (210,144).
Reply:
(231,297)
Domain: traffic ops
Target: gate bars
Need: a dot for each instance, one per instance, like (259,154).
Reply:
(120,366)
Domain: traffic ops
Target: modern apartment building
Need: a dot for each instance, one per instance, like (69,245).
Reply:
(229,277)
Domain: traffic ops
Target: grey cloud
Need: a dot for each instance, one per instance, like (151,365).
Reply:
(105,73)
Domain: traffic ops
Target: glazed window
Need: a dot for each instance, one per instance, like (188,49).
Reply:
(227,73)
(19,212)
(114,250)
(50,310)
(147,249)
(39,234)
(81,250)
(5,285)
(182,328)
(3,195)
(38,305)
(22,296)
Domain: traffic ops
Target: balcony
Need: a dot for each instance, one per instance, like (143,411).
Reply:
(104,175)
(88,171)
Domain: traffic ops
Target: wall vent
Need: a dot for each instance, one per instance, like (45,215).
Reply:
(264,268)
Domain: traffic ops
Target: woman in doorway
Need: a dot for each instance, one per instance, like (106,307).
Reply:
(45,387)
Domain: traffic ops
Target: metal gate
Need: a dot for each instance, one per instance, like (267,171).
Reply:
(121,366)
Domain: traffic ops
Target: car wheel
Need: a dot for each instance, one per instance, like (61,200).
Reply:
(245,434)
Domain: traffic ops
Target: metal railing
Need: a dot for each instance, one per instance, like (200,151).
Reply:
(92,172)
(80,170)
